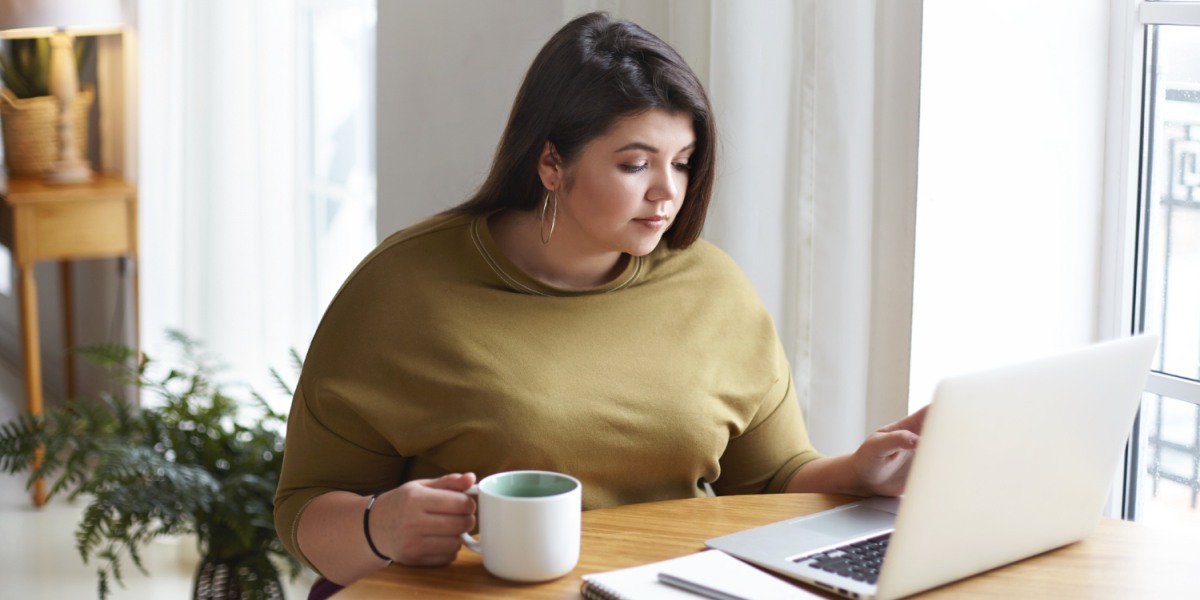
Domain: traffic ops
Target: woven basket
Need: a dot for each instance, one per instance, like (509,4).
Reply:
(30,127)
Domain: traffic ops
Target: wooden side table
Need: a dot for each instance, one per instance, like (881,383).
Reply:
(40,221)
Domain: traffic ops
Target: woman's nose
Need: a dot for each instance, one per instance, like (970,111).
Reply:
(665,186)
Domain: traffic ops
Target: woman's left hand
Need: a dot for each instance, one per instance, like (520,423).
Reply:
(881,463)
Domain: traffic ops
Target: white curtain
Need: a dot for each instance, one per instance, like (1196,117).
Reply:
(817,103)
(257,173)
(217,177)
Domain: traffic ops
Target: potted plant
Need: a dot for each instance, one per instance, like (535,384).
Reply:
(28,113)
(187,463)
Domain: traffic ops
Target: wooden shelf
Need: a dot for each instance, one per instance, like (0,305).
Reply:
(63,222)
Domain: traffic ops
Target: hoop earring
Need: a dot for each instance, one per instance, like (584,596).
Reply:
(553,216)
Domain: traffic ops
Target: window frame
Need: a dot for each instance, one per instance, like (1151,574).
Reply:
(1126,226)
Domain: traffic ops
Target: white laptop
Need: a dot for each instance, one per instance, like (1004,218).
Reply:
(1012,462)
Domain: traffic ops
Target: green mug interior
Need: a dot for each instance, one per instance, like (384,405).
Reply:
(528,485)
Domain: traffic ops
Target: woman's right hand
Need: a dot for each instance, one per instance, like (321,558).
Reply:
(419,523)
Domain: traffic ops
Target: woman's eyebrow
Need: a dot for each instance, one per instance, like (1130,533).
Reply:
(648,147)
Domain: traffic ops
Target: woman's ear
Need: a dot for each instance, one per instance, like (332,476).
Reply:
(550,167)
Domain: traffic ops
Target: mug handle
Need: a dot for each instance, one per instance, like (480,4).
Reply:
(471,543)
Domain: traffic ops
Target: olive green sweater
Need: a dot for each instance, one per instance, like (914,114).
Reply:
(439,355)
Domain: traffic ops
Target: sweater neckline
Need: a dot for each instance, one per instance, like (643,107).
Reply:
(517,279)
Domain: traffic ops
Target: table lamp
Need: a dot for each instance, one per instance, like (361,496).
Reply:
(61,21)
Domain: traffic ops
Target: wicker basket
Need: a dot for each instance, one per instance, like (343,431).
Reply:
(30,128)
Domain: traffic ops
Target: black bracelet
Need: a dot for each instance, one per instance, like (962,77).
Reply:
(367,528)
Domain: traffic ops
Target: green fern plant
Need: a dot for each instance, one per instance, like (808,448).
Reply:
(186,464)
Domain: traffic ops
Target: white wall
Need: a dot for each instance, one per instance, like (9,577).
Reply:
(437,130)
(1011,176)
(446,81)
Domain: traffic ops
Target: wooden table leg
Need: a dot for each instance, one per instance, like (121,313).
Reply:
(137,321)
(33,363)
(68,303)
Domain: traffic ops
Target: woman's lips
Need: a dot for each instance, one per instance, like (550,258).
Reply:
(655,222)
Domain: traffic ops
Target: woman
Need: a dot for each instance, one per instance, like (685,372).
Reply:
(568,318)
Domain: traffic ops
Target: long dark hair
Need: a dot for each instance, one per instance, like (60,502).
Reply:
(593,72)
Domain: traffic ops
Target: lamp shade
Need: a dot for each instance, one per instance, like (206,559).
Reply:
(40,18)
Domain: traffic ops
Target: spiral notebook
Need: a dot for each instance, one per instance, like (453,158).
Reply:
(707,574)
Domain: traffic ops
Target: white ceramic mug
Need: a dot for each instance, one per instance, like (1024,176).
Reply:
(528,524)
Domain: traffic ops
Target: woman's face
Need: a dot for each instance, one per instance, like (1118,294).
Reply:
(622,192)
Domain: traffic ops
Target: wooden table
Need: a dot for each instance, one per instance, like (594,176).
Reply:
(1120,561)
(63,222)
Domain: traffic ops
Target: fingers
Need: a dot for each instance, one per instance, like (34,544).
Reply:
(436,552)
(420,521)
(884,460)
(883,444)
(459,482)
(912,422)
(431,548)
(445,495)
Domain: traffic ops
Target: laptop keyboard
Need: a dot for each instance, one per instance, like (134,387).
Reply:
(859,561)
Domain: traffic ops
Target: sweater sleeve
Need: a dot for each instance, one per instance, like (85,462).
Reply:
(775,445)
(318,459)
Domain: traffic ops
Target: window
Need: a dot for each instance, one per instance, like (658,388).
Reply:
(339,160)
(257,173)
(1164,467)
